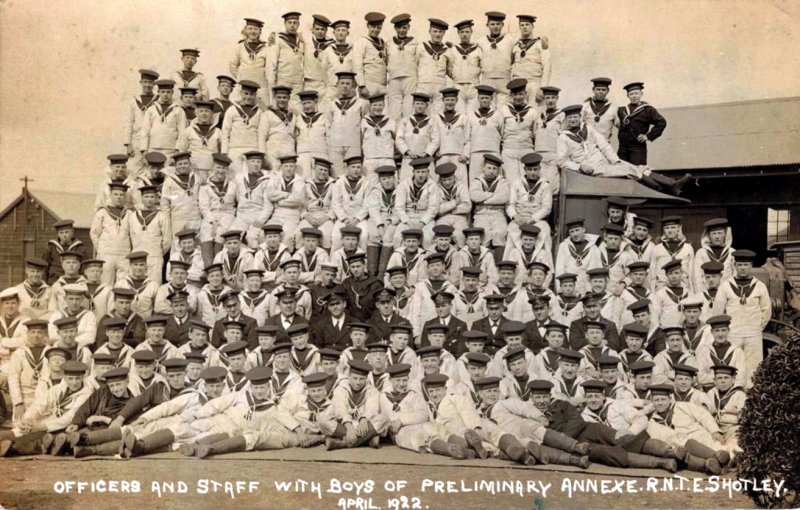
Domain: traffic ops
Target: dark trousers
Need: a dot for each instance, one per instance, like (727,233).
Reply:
(633,154)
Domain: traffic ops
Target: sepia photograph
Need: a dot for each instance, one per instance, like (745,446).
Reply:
(399,255)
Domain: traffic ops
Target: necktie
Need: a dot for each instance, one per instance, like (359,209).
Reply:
(494,328)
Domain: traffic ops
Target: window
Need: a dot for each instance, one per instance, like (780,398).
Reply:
(777,226)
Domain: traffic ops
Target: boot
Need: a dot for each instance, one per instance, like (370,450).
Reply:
(498,253)
(6,447)
(659,448)
(383,263)
(334,444)
(651,183)
(564,458)
(538,453)
(461,444)
(723,457)
(102,436)
(29,444)
(47,442)
(698,449)
(230,445)
(188,449)
(207,252)
(695,463)
(511,446)
(59,444)
(132,447)
(104,449)
(648,461)
(442,447)
(674,185)
(561,441)
(373,259)
(474,442)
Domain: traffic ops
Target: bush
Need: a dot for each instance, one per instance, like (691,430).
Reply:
(769,431)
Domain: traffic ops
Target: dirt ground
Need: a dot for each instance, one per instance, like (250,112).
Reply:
(37,483)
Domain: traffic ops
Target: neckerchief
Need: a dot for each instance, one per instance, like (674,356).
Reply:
(291,41)
(598,108)
(187,76)
(495,39)
(743,291)
(311,119)
(219,189)
(665,419)
(469,299)
(344,104)
(673,251)
(607,262)
(465,50)
(591,354)
(483,117)
(491,187)
(144,105)
(253,48)
(628,360)
(721,401)
(627,113)
(7,329)
(284,116)
(671,361)
(63,401)
(35,295)
(254,301)
(380,381)
(532,189)
(573,251)
(639,292)
(36,365)
(353,189)
(411,260)
(164,112)
(137,286)
(204,132)
(251,185)
(401,43)
(435,50)
(247,112)
(319,191)
(418,124)
(256,406)
(640,249)
(379,45)
(287,186)
(676,296)
(341,50)
(354,401)
(547,117)
(395,397)
(308,264)
(116,213)
(523,391)
(578,136)
(601,415)
(448,194)
(187,185)
(451,121)
(320,45)
(387,199)
(301,363)
(525,44)
(568,388)
(231,268)
(486,413)
(519,114)
(145,217)
(317,409)
(377,124)
(725,359)
(280,384)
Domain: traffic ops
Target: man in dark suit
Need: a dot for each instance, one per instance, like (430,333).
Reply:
(177,327)
(230,300)
(443,301)
(333,329)
(591,313)
(360,287)
(288,316)
(535,328)
(134,331)
(384,316)
(492,324)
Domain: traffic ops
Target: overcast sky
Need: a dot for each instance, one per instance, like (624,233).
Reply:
(68,67)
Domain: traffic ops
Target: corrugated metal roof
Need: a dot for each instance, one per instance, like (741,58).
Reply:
(740,134)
